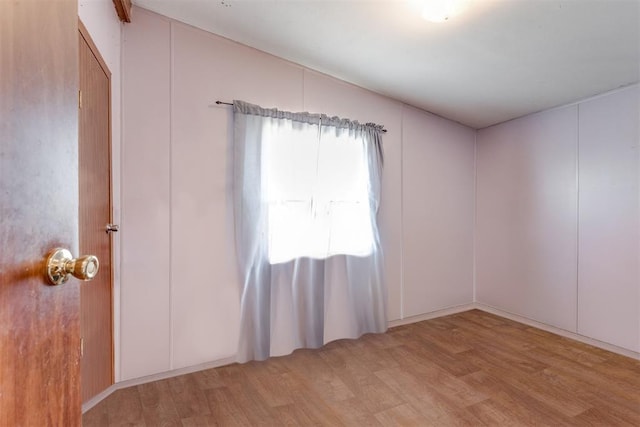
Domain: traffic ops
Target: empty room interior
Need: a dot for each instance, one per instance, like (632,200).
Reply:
(496,275)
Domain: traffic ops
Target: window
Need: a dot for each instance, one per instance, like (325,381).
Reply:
(316,188)
(306,189)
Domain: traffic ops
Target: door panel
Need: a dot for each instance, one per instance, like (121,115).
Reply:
(39,323)
(95,213)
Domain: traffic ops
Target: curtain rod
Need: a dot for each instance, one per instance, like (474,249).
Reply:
(231,103)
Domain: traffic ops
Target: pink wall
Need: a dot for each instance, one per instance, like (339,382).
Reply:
(180,302)
(438,199)
(609,219)
(544,247)
(526,220)
(558,218)
(145,319)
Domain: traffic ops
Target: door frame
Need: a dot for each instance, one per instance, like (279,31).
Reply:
(84,33)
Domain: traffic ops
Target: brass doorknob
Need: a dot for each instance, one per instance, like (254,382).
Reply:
(60,264)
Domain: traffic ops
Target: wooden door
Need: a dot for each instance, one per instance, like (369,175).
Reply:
(95,213)
(39,323)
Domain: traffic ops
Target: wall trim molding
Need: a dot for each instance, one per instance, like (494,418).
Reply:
(392,324)
(100,397)
(432,315)
(558,331)
(155,377)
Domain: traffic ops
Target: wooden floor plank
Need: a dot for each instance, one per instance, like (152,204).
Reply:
(467,369)
(513,403)
(355,412)
(158,405)
(544,392)
(402,415)
(98,416)
(425,398)
(360,379)
(224,409)
(189,399)
(125,408)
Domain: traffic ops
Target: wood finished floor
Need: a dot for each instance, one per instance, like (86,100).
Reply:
(471,368)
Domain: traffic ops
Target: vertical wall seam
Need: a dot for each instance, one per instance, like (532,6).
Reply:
(170,195)
(117,356)
(475,216)
(577,217)
(402,211)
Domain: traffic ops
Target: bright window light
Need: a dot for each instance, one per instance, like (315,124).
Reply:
(317,194)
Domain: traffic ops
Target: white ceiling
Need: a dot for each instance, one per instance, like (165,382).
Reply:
(498,60)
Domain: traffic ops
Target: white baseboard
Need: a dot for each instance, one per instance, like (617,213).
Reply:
(99,397)
(432,315)
(392,324)
(558,331)
(227,361)
(155,377)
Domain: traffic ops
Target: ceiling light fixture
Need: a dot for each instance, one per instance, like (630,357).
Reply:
(442,10)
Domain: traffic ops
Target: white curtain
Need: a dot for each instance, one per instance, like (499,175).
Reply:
(306,195)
